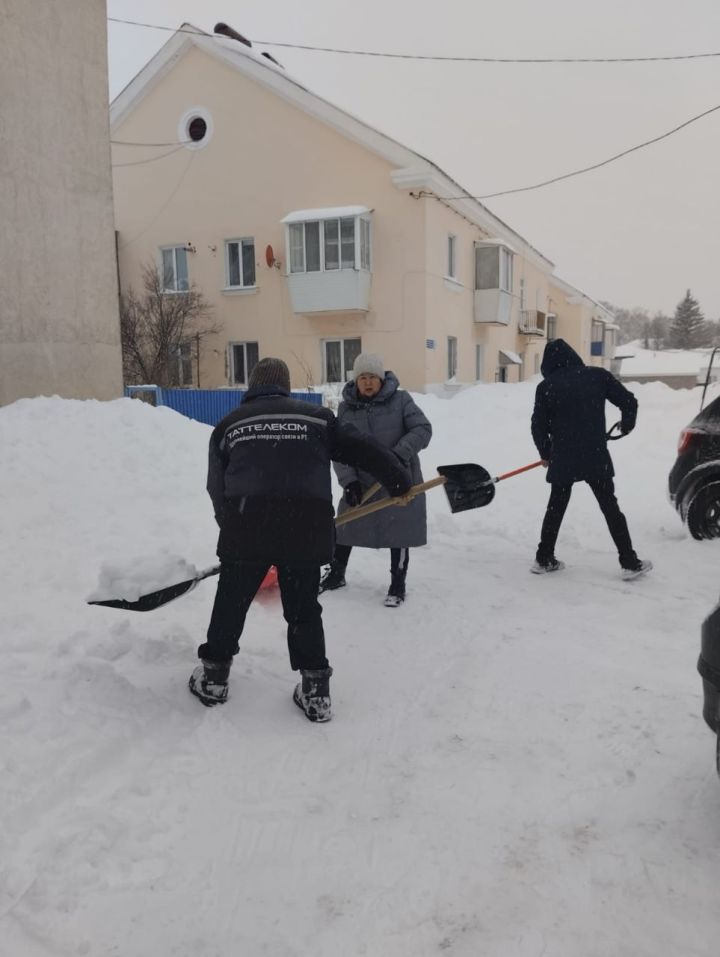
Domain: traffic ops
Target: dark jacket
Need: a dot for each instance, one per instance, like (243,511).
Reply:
(269,478)
(568,421)
(393,418)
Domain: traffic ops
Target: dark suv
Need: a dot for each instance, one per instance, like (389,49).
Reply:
(709,668)
(694,481)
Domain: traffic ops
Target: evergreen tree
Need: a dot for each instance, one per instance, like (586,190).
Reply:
(688,329)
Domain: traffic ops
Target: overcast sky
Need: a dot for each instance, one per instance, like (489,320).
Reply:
(638,232)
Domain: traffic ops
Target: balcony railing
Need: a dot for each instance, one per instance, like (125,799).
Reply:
(532,322)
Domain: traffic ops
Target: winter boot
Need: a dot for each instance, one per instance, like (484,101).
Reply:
(333,578)
(313,694)
(547,565)
(396,592)
(635,570)
(209,682)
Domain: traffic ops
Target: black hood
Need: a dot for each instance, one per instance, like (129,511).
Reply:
(559,355)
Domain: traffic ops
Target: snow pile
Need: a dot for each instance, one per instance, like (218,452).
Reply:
(647,362)
(517,765)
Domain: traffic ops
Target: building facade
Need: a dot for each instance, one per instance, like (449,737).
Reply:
(313,235)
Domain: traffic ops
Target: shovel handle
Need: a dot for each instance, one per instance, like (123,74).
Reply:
(525,468)
(362,510)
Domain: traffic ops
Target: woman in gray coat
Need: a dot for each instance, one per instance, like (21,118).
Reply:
(373,402)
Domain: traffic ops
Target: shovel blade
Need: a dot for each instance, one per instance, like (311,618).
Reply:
(467,486)
(152,600)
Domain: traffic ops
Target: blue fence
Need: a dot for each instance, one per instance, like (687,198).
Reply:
(203,405)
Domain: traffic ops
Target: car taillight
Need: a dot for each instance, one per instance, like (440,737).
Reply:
(687,437)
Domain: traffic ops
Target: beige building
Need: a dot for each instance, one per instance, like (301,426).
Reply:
(59,330)
(584,324)
(313,235)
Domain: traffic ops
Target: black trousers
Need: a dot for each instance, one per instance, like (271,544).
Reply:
(399,559)
(604,492)
(237,587)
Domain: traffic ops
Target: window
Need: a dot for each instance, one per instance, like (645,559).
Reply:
(243,359)
(494,268)
(451,264)
(185,364)
(551,326)
(197,128)
(327,245)
(174,269)
(452,356)
(240,263)
(339,356)
(479,362)
(365,244)
(522,295)
(596,338)
(506,264)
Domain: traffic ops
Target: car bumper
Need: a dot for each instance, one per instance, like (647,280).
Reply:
(709,668)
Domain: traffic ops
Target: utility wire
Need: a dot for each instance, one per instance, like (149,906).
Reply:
(151,159)
(444,59)
(578,172)
(131,143)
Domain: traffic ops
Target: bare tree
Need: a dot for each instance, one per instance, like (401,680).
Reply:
(160,330)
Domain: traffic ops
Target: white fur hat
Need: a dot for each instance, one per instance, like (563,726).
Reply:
(369,363)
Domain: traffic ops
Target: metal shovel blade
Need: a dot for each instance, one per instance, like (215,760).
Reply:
(467,486)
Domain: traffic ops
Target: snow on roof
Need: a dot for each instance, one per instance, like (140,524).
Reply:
(326,212)
(512,357)
(649,362)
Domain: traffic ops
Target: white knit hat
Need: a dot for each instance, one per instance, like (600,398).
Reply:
(369,363)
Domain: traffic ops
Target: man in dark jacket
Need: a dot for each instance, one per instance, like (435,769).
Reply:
(269,481)
(568,428)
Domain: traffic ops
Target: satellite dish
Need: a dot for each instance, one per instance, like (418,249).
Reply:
(270,256)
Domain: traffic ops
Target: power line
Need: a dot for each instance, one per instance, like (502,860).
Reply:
(487,59)
(131,143)
(432,57)
(151,159)
(163,206)
(578,172)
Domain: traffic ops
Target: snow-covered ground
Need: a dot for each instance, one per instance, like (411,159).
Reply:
(517,765)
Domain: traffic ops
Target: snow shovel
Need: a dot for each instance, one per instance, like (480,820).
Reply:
(155,599)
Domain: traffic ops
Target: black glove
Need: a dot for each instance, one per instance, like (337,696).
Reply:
(626,429)
(401,485)
(353,493)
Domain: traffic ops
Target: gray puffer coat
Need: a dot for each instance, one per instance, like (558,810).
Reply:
(392,418)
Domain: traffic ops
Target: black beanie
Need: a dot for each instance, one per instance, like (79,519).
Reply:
(270,372)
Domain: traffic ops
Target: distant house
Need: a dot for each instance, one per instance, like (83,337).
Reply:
(678,368)
(314,235)
(59,325)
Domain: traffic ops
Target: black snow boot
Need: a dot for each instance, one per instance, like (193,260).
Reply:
(333,578)
(396,592)
(209,682)
(313,694)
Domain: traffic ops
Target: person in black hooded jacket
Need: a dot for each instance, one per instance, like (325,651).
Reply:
(568,428)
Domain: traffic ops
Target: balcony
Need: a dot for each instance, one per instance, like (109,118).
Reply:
(341,291)
(493,306)
(532,322)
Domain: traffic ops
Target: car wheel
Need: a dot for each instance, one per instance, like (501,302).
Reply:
(703,514)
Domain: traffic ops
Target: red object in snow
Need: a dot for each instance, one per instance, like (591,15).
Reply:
(270,579)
